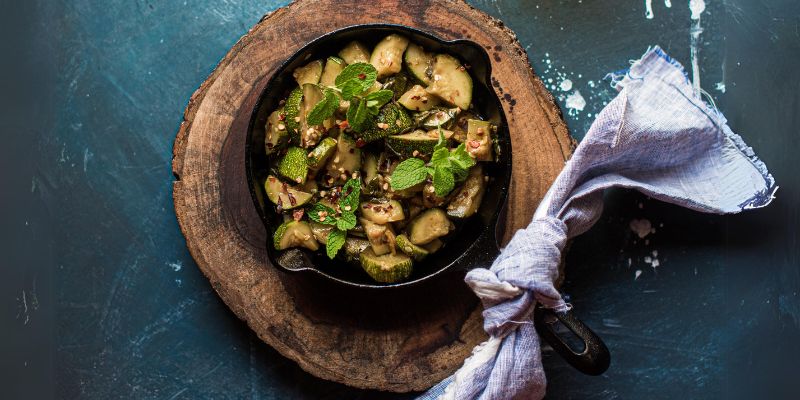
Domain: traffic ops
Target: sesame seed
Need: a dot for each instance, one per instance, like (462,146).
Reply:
(347,208)
(323,193)
(281,127)
(385,186)
(296,119)
(415,153)
(299,180)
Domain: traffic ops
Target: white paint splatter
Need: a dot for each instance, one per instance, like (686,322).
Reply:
(565,85)
(648,5)
(176,266)
(86,156)
(648,260)
(637,274)
(642,227)
(721,87)
(575,102)
(655,263)
(696,7)
(668,3)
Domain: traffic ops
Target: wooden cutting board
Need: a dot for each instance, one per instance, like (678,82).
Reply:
(402,341)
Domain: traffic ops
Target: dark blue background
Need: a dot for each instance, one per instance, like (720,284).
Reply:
(100,298)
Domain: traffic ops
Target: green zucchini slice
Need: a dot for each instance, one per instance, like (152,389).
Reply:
(387,57)
(387,268)
(294,234)
(293,166)
(309,73)
(429,225)
(451,82)
(333,67)
(276,134)
(419,63)
(285,195)
(355,52)
(417,99)
(468,199)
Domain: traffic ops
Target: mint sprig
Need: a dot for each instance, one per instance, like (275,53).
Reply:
(324,109)
(356,79)
(343,220)
(445,168)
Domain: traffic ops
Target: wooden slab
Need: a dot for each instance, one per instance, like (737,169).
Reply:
(397,342)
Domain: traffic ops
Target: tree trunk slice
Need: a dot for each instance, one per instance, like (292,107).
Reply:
(396,342)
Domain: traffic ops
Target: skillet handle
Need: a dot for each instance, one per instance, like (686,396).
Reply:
(594,359)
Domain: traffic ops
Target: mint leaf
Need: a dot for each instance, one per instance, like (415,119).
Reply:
(409,173)
(357,115)
(362,76)
(350,89)
(377,99)
(334,242)
(440,158)
(461,157)
(328,216)
(346,221)
(351,193)
(443,181)
(461,162)
(324,109)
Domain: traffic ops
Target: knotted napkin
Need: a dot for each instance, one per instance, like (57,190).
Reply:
(657,136)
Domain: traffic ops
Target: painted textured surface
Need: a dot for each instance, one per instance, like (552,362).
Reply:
(98,247)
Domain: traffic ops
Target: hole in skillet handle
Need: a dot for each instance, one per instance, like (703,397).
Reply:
(594,359)
(460,254)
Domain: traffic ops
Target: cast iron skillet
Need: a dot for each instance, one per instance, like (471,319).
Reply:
(475,241)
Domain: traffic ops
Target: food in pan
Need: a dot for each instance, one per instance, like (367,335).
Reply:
(376,156)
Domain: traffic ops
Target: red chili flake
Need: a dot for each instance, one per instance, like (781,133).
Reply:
(362,76)
(292,200)
(280,205)
(281,117)
(270,145)
(360,143)
(284,186)
(297,214)
(389,208)
(352,150)
(366,206)
(272,179)
(474,144)
(415,97)
(344,125)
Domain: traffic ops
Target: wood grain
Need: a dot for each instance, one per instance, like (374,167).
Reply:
(422,336)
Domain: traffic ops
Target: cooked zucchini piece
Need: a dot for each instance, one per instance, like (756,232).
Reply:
(414,143)
(417,99)
(321,231)
(320,155)
(443,117)
(430,199)
(294,234)
(372,180)
(427,226)
(468,199)
(310,135)
(284,195)
(382,211)
(355,52)
(418,253)
(292,110)
(333,67)
(451,82)
(479,139)
(379,236)
(275,133)
(293,165)
(405,193)
(460,125)
(387,57)
(391,120)
(310,186)
(397,83)
(387,268)
(353,247)
(419,63)
(346,160)
(309,73)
